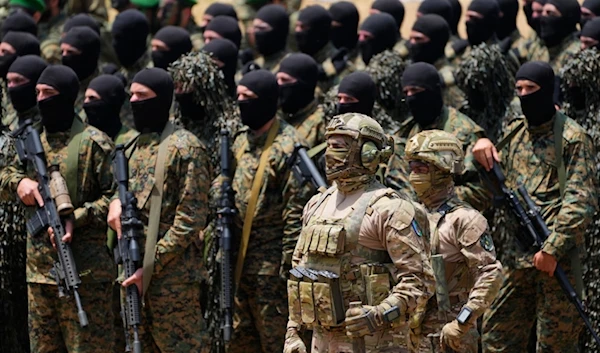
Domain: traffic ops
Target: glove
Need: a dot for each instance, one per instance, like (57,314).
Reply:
(452,335)
(293,342)
(365,320)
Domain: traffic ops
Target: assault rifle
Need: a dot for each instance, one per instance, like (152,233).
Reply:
(29,148)
(536,232)
(127,252)
(304,169)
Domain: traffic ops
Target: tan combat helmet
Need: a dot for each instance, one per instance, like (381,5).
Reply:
(439,148)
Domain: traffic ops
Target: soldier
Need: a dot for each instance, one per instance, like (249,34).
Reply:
(223,27)
(170,284)
(507,31)
(225,54)
(456,45)
(356,94)
(396,10)
(344,29)
(533,13)
(18,21)
(130,34)
(53,323)
(383,262)
(590,34)
(21,80)
(297,79)
(567,205)
(422,87)
(270,29)
(590,9)
(374,36)
(269,202)
(428,40)
(213,10)
(107,53)
(460,235)
(169,44)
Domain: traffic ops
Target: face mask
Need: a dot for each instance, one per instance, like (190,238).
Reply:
(294,96)
(83,66)
(267,43)
(161,59)
(5,62)
(431,187)
(354,107)
(366,50)
(190,109)
(425,107)
(552,30)
(125,53)
(57,113)
(342,37)
(149,115)
(255,113)
(478,31)
(538,107)
(23,97)
(103,116)
(583,22)
(309,43)
(422,52)
(347,178)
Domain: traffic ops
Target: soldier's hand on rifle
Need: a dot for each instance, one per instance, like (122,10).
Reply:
(293,342)
(486,153)
(545,262)
(68,232)
(114,216)
(136,279)
(452,335)
(365,320)
(28,192)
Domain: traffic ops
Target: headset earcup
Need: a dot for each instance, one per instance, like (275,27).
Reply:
(369,154)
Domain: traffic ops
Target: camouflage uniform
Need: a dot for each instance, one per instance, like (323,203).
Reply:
(526,46)
(332,77)
(49,34)
(529,160)
(468,132)
(455,48)
(557,56)
(96,8)
(453,96)
(401,48)
(309,123)
(173,297)
(260,312)
(271,63)
(53,324)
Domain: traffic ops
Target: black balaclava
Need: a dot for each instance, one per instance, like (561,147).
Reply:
(219,9)
(392,7)
(58,112)
(592,5)
(318,21)
(425,106)
(178,41)
(23,43)
(23,97)
(507,24)
(534,23)
(82,20)
(359,85)
(255,113)
(346,35)
(436,28)
(227,27)
(104,113)
(151,115)
(538,107)
(592,30)
(441,8)
(480,30)
(19,21)
(88,42)
(130,34)
(383,28)
(456,16)
(555,29)
(226,52)
(297,95)
(275,40)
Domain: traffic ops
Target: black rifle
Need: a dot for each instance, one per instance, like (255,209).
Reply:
(127,252)
(536,232)
(304,169)
(29,147)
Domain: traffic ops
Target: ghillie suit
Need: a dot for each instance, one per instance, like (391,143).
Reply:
(579,86)
(485,77)
(386,69)
(196,73)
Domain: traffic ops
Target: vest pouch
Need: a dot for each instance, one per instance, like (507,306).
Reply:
(323,304)
(324,239)
(294,302)
(377,288)
(307,304)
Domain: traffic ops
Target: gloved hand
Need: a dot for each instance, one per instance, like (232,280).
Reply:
(293,342)
(452,335)
(364,320)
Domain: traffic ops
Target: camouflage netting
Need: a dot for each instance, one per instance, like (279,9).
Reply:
(386,69)
(486,79)
(579,85)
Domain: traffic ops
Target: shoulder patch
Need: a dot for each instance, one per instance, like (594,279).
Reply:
(486,241)
(416,228)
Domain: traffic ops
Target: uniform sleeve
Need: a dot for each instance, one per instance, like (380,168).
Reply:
(469,188)
(191,210)
(10,176)
(579,202)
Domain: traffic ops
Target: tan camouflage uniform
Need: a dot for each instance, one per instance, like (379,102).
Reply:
(309,123)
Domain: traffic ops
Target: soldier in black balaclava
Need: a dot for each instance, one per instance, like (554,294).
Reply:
(18,21)
(271,29)
(590,34)
(377,33)
(507,25)
(356,94)
(81,20)
(223,27)
(344,27)
(216,9)
(428,39)
(441,8)
(225,55)
(297,79)
(395,9)
(104,98)
(589,10)
(533,13)
(57,110)
(15,44)
(481,21)
(107,53)
(456,16)
(559,25)
(422,86)
(168,44)
(130,33)
(151,114)
(22,77)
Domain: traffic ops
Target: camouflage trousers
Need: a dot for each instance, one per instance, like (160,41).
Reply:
(336,341)
(260,315)
(527,294)
(54,326)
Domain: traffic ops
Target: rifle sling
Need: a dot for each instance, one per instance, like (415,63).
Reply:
(73,158)
(256,186)
(155,206)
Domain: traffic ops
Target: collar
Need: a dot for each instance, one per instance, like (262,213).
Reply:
(302,114)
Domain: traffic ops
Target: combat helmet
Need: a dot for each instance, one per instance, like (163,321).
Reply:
(438,148)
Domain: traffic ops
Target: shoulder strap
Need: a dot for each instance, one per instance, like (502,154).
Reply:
(73,158)
(256,186)
(354,222)
(156,205)
(500,145)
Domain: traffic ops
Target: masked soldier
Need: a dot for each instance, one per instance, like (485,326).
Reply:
(590,9)
(223,27)
(396,10)
(21,79)
(456,45)
(130,35)
(18,21)
(590,34)
(168,44)
(107,53)
(271,29)
(468,276)
(377,34)
(507,31)
(215,9)
(374,271)
(225,55)
(344,28)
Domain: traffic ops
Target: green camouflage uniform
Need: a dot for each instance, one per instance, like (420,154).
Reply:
(324,59)
(526,294)
(53,323)
(466,130)
(309,123)
(125,135)
(50,33)
(557,56)
(453,96)
(260,313)
(172,316)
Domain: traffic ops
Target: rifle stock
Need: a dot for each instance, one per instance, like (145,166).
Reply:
(304,169)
